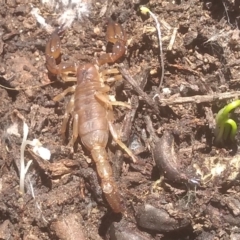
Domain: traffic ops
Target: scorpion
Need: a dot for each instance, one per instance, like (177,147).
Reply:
(90,106)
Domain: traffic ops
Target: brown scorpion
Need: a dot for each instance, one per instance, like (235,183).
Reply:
(90,106)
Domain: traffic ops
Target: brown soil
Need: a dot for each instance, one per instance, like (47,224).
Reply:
(63,198)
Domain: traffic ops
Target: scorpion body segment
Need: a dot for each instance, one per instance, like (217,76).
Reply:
(91,122)
(91,108)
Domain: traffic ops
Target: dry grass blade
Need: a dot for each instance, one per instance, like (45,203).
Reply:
(145,10)
(199,98)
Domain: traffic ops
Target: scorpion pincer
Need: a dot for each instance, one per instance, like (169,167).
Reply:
(90,106)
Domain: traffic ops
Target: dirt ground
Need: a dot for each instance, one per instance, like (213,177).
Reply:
(183,186)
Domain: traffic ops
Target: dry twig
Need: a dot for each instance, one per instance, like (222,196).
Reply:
(129,117)
(172,40)
(138,89)
(199,98)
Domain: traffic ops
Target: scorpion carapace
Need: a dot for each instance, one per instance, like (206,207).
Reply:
(91,108)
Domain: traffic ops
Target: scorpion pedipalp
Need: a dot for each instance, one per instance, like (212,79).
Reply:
(116,35)
(53,55)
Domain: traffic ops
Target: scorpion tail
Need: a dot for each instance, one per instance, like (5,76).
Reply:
(113,197)
(108,184)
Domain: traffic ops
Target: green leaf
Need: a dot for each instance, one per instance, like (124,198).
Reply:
(225,127)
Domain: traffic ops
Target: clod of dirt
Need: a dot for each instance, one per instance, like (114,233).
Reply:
(5,230)
(69,227)
(189,38)
(235,236)
(62,167)
(233,203)
(151,218)
(125,231)
(218,170)
(205,236)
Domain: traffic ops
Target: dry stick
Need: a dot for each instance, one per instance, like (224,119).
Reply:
(172,40)
(176,100)
(129,117)
(199,98)
(226,11)
(25,88)
(136,88)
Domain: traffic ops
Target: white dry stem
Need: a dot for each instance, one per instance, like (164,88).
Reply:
(226,10)
(144,11)
(22,163)
(42,152)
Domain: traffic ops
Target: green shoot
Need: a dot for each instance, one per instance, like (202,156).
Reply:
(145,11)
(225,127)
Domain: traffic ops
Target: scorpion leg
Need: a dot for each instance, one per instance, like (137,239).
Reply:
(53,54)
(116,138)
(106,72)
(75,129)
(69,109)
(110,71)
(104,98)
(60,96)
(113,79)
